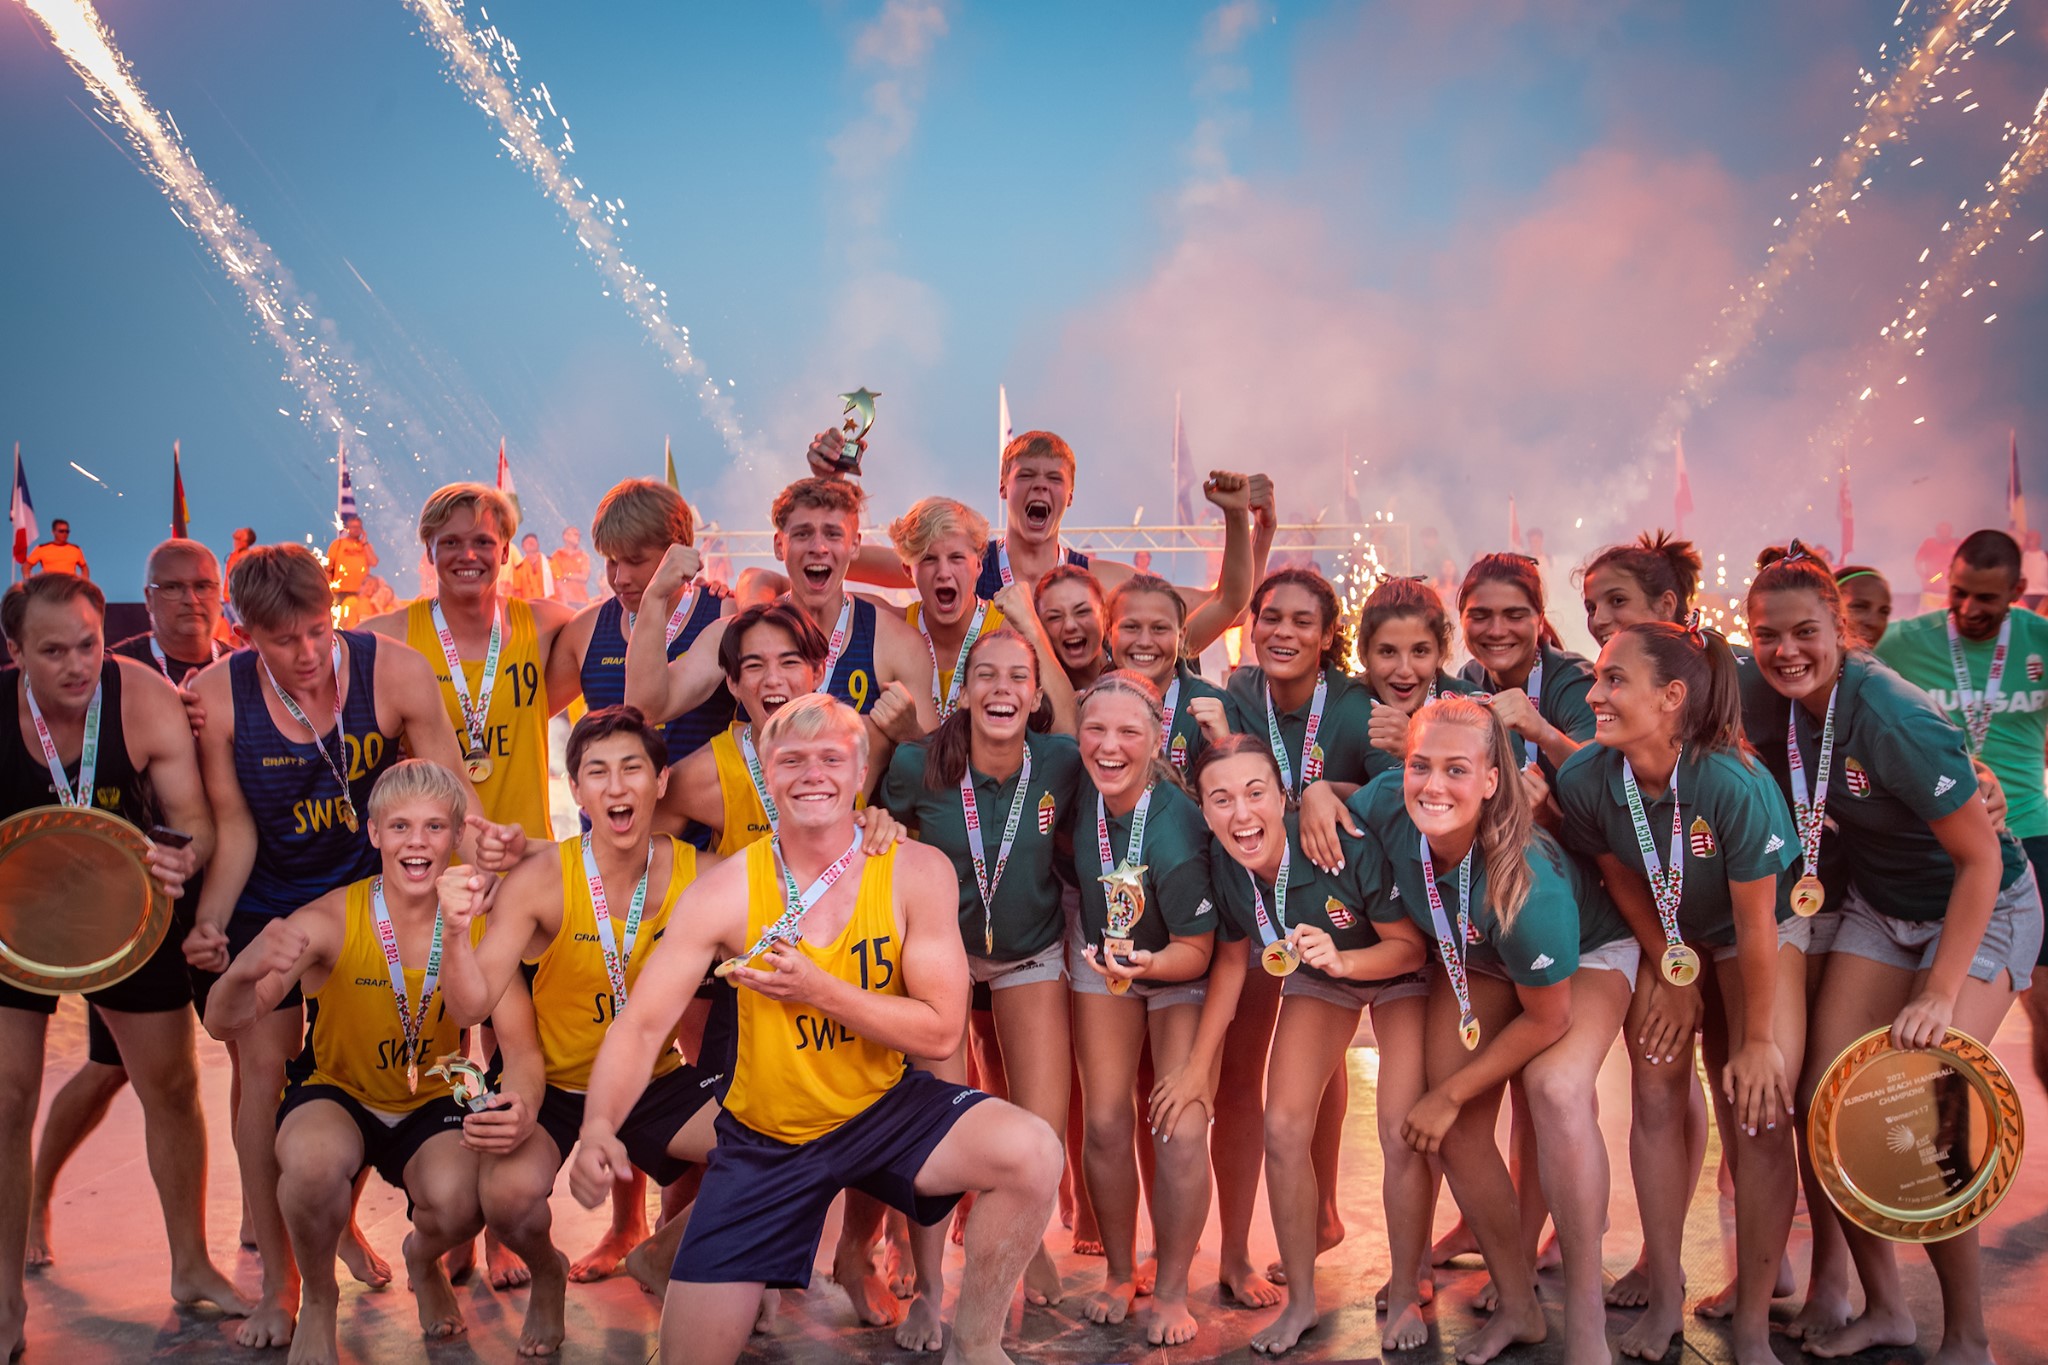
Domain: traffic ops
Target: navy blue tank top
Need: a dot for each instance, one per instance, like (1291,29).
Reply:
(853,678)
(303,850)
(604,673)
(991,581)
(25,777)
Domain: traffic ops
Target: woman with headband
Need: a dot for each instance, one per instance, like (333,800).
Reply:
(1866,602)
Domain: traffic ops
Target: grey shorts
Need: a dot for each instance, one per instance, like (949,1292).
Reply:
(2011,943)
(1047,964)
(1623,955)
(1791,929)
(1354,995)
(1823,928)
(1083,979)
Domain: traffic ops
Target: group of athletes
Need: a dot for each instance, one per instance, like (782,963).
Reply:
(999,899)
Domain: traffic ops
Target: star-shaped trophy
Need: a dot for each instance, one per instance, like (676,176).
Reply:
(858,416)
(1124,892)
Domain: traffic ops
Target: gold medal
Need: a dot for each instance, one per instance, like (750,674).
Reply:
(1681,965)
(478,765)
(1808,896)
(412,1078)
(1280,958)
(345,811)
(1468,1032)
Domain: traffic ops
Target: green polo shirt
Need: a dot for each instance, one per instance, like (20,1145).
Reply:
(1568,911)
(1567,678)
(1338,904)
(2013,747)
(1178,902)
(1027,915)
(1899,764)
(1184,737)
(1737,828)
(1347,711)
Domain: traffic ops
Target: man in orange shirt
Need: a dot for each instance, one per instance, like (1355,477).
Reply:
(572,571)
(532,577)
(349,559)
(58,554)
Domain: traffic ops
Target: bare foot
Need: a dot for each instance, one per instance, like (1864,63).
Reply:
(1488,1298)
(38,1238)
(1549,1257)
(1087,1246)
(1329,1233)
(546,1309)
(1042,1284)
(503,1266)
(1459,1241)
(458,1263)
(873,1304)
(1502,1331)
(1405,1330)
(921,1328)
(1821,1314)
(1146,1277)
(647,1268)
(362,1260)
(1860,1334)
(206,1284)
(1633,1289)
(960,1212)
(440,1314)
(900,1269)
(1169,1323)
(1279,1336)
(1962,1353)
(270,1325)
(1110,1304)
(1719,1306)
(603,1259)
(1247,1288)
(1650,1337)
(314,1342)
(764,1316)
(1425,1292)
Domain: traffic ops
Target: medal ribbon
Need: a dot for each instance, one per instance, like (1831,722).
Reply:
(88,753)
(970,810)
(1267,934)
(1451,950)
(1003,560)
(409,1020)
(1169,705)
(1134,847)
(788,926)
(838,644)
(947,700)
(1810,815)
(754,775)
(676,619)
(1977,707)
(163,663)
(340,770)
(615,962)
(1667,881)
(1311,766)
(475,719)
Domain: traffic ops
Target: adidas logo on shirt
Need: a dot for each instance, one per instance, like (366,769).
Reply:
(1944,785)
(1774,845)
(1542,960)
(1394,894)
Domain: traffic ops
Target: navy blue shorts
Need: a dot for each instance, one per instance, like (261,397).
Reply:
(664,1107)
(386,1147)
(761,1209)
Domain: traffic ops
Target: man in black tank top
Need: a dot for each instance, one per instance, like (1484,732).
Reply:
(84,729)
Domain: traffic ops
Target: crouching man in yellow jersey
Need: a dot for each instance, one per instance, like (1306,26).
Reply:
(855,961)
(368,956)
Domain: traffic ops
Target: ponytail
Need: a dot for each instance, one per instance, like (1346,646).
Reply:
(1659,563)
(1506,823)
(1711,719)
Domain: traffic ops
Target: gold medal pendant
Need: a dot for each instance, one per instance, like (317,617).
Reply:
(1681,965)
(479,766)
(412,1078)
(1808,896)
(345,811)
(1119,951)
(1468,1032)
(1280,958)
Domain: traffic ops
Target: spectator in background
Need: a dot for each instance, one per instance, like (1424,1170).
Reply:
(245,536)
(2034,569)
(349,560)
(430,582)
(377,597)
(58,554)
(533,577)
(1142,561)
(572,571)
(1866,600)
(1931,562)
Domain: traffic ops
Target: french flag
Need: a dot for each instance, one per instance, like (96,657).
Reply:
(21,512)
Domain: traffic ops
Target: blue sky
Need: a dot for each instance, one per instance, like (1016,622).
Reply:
(1481,243)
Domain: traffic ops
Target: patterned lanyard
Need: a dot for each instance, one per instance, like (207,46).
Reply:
(1268,935)
(339,770)
(1003,559)
(1311,761)
(1667,879)
(1533,688)
(676,619)
(163,663)
(1809,815)
(409,1021)
(948,699)
(1169,706)
(88,753)
(788,926)
(475,719)
(615,961)
(1452,949)
(1134,847)
(970,810)
(754,775)
(1977,707)
(839,635)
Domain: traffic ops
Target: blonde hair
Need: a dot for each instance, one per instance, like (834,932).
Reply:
(1131,683)
(817,715)
(275,585)
(413,779)
(482,501)
(930,520)
(641,514)
(1506,824)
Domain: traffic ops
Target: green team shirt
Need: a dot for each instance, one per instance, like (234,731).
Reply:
(1184,737)
(1347,711)
(1737,828)
(1178,901)
(1027,915)
(1899,764)
(1567,913)
(2014,746)
(1567,678)
(1338,904)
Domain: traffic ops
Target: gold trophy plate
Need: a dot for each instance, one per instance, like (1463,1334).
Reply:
(1916,1146)
(78,908)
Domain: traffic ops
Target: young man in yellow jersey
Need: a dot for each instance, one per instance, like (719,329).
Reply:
(848,964)
(490,653)
(368,956)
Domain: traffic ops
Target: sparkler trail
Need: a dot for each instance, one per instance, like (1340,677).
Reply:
(484,65)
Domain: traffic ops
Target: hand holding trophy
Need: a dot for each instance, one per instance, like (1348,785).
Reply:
(1124,892)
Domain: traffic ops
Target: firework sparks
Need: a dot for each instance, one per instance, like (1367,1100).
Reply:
(484,65)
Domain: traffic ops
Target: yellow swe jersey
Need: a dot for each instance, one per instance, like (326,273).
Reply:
(946,664)
(353,1038)
(746,818)
(515,730)
(799,1074)
(572,996)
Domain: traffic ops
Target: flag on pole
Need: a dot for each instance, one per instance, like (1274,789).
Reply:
(1681,497)
(1514,527)
(668,460)
(505,484)
(1847,509)
(1002,444)
(345,492)
(21,513)
(2015,500)
(1183,471)
(181,515)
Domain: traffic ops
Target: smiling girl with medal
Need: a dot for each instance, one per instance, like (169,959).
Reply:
(1941,922)
(1137,960)
(1070,605)
(1539,689)
(1309,932)
(992,794)
(1148,635)
(1691,835)
(1531,977)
